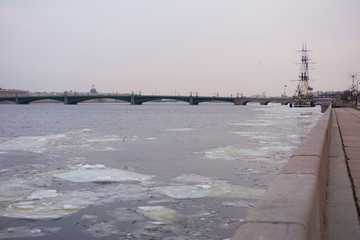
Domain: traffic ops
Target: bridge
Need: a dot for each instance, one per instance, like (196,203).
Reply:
(140,99)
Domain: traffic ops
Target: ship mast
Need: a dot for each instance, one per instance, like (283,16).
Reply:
(304,87)
(303,96)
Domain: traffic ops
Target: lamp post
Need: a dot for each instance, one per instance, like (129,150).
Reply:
(357,92)
(354,91)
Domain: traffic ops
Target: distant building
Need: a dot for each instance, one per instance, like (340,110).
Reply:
(12,93)
(93,91)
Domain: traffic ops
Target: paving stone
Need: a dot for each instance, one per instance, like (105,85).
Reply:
(354,165)
(341,213)
(339,231)
(340,195)
(257,231)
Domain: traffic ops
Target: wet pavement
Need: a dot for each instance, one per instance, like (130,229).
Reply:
(343,191)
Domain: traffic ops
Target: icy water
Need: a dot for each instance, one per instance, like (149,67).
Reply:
(155,171)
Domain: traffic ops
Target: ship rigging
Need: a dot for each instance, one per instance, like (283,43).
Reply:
(303,96)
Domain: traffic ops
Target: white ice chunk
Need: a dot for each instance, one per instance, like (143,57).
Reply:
(85,130)
(49,204)
(40,194)
(224,189)
(71,207)
(27,232)
(193,178)
(36,231)
(180,129)
(161,214)
(34,144)
(112,138)
(150,138)
(205,186)
(249,171)
(30,182)
(184,191)
(100,173)
(90,167)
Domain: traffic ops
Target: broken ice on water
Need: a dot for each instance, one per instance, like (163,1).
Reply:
(232,153)
(32,144)
(64,142)
(27,231)
(51,204)
(202,187)
(31,198)
(100,173)
(163,215)
(185,129)
(266,154)
(184,191)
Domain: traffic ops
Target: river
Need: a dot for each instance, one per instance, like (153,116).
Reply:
(153,171)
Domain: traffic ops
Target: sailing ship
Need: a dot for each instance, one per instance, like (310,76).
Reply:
(303,96)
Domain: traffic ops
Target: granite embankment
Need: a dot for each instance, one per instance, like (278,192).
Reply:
(300,204)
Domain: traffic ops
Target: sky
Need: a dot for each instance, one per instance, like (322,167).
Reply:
(208,47)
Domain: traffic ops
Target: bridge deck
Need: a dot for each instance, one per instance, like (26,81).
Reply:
(139,99)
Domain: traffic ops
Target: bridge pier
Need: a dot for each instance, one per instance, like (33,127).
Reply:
(133,101)
(191,101)
(239,101)
(66,101)
(18,101)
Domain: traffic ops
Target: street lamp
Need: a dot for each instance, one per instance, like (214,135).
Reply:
(357,92)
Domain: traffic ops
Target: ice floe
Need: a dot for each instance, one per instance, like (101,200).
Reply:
(253,124)
(101,174)
(111,138)
(27,231)
(249,171)
(40,194)
(150,138)
(184,191)
(31,144)
(232,153)
(102,229)
(240,203)
(180,129)
(161,214)
(270,153)
(206,187)
(31,198)
(50,204)
(29,182)
(124,214)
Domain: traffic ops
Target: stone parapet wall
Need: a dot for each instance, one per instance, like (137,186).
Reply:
(293,207)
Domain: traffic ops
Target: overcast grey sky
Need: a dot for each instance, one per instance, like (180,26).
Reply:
(168,46)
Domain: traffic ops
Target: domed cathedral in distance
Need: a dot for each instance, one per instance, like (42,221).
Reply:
(93,90)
